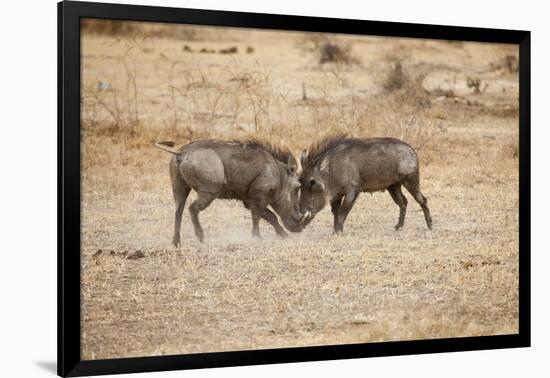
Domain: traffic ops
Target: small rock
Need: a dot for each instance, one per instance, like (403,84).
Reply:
(136,255)
(229,50)
(467,264)
(103,86)
(97,253)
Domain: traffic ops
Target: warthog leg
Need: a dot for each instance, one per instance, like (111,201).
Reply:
(180,197)
(344,210)
(335,204)
(412,187)
(270,218)
(399,198)
(258,207)
(203,200)
(256,215)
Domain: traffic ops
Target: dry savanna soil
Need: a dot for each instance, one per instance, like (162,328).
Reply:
(455,102)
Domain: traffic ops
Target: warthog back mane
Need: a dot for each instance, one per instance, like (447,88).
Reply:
(318,149)
(279,152)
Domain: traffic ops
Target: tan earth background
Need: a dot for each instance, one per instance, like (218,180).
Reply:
(455,102)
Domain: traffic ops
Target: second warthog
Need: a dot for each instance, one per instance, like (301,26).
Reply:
(258,174)
(339,168)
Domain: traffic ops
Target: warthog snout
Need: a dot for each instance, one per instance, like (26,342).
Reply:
(297,221)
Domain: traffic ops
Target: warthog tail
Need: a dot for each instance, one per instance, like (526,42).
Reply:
(168,147)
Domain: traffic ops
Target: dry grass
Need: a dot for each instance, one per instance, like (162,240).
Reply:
(142,297)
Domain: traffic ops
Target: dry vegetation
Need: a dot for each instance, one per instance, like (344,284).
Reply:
(456,103)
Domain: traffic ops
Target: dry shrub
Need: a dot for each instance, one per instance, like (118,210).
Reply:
(253,97)
(195,99)
(328,49)
(330,52)
(512,63)
(397,78)
(405,88)
(110,114)
(508,63)
(116,107)
(237,101)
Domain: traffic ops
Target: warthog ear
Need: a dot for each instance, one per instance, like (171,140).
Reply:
(303,159)
(292,164)
(316,185)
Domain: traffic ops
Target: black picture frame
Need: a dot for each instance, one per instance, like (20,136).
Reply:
(69,15)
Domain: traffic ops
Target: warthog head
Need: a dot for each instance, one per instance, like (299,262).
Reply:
(287,203)
(313,196)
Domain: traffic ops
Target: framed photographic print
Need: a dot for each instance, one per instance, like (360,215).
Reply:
(239,188)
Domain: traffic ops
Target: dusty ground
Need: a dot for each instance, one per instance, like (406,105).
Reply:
(142,297)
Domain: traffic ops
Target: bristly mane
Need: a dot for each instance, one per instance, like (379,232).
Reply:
(317,150)
(277,151)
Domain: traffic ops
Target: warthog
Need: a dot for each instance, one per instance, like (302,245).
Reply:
(339,168)
(257,173)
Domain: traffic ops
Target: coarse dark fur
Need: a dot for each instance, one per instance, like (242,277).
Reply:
(338,168)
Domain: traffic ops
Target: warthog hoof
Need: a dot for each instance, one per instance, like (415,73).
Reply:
(282,234)
(200,235)
(398,227)
(176,241)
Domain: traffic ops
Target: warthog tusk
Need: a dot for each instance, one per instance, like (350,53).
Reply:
(305,217)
